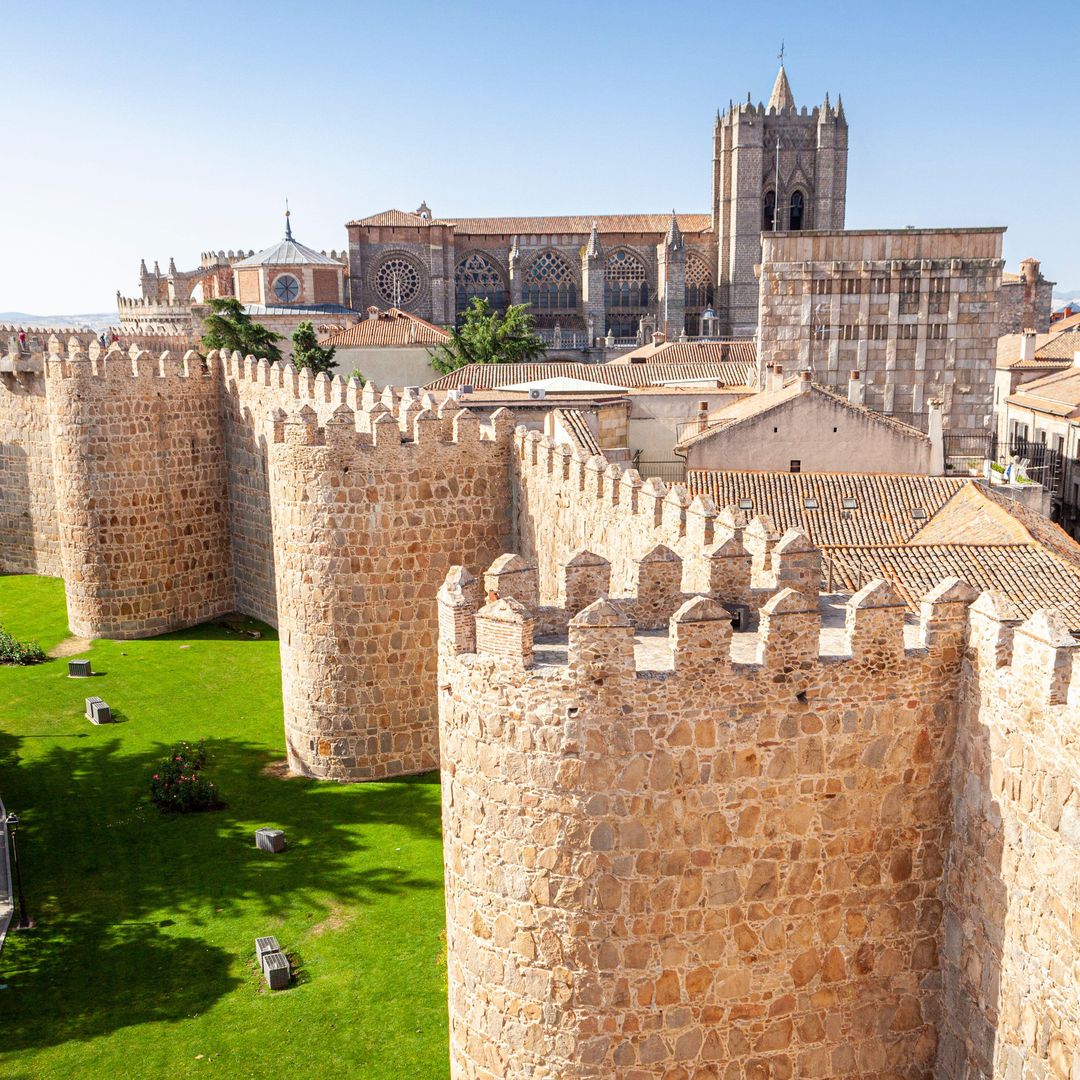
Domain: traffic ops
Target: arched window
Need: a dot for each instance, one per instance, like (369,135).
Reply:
(768,216)
(625,282)
(550,284)
(477,275)
(796,217)
(699,285)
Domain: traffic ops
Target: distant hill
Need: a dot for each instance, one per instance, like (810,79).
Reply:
(98,320)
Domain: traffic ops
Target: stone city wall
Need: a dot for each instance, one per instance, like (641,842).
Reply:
(717,868)
(1011,955)
(567,502)
(29,536)
(140,490)
(365,527)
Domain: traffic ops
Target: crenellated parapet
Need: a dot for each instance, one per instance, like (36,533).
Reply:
(570,502)
(370,507)
(670,849)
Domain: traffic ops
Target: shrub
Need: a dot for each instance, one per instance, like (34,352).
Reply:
(178,784)
(13,651)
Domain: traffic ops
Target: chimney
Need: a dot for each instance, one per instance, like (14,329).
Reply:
(804,381)
(937,438)
(775,377)
(856,389)
(1027,345)
(1076,359)
(657,338)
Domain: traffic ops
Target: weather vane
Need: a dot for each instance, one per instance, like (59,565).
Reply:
(780,54)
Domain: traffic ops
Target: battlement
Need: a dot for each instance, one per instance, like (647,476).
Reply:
(595,637)
(135,364)
(135,305)
(572,502)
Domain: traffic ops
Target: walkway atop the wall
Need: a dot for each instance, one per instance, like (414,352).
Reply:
(652,650)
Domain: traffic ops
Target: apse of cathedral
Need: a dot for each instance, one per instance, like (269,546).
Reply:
(774,167)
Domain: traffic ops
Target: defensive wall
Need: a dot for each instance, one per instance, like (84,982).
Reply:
(751,860)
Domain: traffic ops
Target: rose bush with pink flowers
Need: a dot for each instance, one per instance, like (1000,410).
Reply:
(179,785)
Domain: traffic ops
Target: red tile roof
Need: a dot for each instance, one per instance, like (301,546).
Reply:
(741,350)
(494,376)
(571,223)
(969,531)
(388,328)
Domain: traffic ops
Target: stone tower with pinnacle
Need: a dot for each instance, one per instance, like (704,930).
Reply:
(777,167)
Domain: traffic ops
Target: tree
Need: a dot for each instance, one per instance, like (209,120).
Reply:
(358,375)
(308,353)
(229,326)
(486,337)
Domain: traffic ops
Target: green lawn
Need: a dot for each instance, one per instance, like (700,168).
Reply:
(141,964)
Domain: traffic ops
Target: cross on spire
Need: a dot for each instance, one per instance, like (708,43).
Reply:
(288,224)
(780,54)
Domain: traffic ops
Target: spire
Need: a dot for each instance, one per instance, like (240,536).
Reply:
(172,265)
(142,267)
(593,249)
(674,234)
(288,224)
(840,108)
(782,97)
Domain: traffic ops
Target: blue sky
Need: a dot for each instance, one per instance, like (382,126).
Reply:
(140,131)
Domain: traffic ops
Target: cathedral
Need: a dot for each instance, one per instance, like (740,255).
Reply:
(774,167)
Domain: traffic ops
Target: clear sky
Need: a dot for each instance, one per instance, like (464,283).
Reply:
(140,130)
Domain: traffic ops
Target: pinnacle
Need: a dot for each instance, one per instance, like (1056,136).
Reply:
(782,97)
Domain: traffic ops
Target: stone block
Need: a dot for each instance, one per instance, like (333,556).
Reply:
(97,712)
(79,669)
(265,946)
(272,840)
(276,970)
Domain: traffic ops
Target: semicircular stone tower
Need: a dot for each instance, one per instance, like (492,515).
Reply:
(366,523)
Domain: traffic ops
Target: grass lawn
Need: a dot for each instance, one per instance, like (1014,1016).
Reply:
(142,961)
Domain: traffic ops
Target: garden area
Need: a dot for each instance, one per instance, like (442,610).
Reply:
(141,962)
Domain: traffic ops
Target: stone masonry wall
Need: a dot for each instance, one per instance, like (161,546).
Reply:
(140,491)
(567,502)
(1011,956)
(365,527)
(29,537)
(718,869)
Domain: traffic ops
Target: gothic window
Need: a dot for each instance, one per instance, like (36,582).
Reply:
(476,275)
(549,283)
(795,218)
(625,283)
(397,281)
(699,285)
(768,217)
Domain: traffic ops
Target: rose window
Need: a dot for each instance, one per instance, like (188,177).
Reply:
(286,288)
(397,281)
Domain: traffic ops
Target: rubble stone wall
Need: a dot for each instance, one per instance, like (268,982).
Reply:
(1011,956)
(364,529)
(720,870)
(29,535)
(140,491)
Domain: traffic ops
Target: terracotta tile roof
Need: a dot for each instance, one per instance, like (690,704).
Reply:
(578,427)
(571,223)
(755,405)
(1051,350)
(1070,322)
(969,531)
(739,350)
(1028,574)
(882,515)
(388,328)
(1057,394)
(626,376)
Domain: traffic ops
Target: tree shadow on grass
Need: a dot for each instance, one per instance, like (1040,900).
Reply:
(107,875)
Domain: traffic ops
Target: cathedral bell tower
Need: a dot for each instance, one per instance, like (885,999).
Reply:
(774,167)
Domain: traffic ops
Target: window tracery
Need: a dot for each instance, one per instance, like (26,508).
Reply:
(550,284)
(477,275)
(625,281)
(397,281)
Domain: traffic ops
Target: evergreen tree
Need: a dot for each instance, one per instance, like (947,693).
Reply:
(308,353)
(228,326)
(487,337)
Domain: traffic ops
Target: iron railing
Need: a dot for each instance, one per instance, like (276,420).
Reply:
(671,471)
